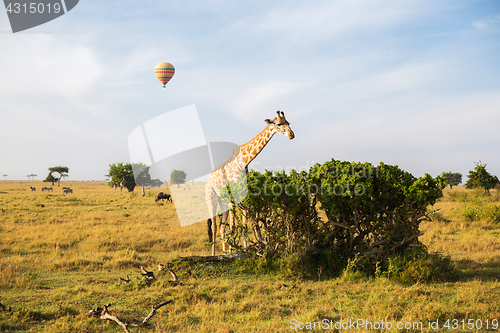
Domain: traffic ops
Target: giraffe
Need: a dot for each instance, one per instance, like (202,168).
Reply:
(234,166)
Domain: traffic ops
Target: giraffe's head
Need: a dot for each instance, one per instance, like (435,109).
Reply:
(281,125)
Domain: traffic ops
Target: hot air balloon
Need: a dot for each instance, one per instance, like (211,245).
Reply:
(164,72)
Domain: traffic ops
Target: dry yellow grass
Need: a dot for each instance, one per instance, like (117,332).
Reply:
(459,237)
(60,256)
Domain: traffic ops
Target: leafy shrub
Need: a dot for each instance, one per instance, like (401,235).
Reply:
(371,212)
(471,213)
(492,213)
(416,265)
(420,266)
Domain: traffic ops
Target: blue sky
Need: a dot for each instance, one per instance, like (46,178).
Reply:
(411,83)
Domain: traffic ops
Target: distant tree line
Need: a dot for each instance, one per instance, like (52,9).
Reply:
(477,178)
(132,174)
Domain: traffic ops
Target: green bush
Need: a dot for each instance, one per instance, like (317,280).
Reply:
(492,213)
(370,211)
(420,266)
(414,266)
(471,213)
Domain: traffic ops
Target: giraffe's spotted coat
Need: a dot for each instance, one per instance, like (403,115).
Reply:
(237,163)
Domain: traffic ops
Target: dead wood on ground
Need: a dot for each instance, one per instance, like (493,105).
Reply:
(103,313)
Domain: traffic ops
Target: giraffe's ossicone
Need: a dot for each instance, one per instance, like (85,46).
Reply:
(235,166)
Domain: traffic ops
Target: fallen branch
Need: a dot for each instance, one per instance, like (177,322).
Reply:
(151,314)
(126,280)
(221,257)
(148,276)
(175,281)
(104,314)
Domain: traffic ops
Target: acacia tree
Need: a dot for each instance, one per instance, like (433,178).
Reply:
(50,179)
(121,171)
(178,177)
(480,178)
(5,177)
(452,178)
(61,170)
(142,176)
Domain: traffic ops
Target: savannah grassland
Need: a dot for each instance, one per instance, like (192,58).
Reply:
(63,255)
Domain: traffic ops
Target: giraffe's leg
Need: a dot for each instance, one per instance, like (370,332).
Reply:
(209,230)
(210,198)
(223,222)
(214,234)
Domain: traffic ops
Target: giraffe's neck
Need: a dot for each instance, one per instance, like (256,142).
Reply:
(251,149)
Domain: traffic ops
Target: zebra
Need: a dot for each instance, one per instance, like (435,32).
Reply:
(67,190)
(46,189)
(33,189)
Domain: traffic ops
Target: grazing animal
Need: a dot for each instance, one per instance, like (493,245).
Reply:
(46,189)
(67,190)
(163,196)
(234,166)
(33,189)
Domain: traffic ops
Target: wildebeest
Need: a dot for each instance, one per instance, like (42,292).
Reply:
(163,196)
(67,190)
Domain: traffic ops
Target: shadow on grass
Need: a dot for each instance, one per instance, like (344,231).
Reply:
(470,269)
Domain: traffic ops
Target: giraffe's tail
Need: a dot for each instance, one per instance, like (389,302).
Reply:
(209,230)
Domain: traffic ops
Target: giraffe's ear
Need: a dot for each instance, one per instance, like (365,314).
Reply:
(269,122)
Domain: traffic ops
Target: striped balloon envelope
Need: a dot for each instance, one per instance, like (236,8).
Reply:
(164,71)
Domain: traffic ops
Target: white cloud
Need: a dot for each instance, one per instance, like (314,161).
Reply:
(453,121)
(254,104)
(307,22)
(37,64)
(490,25)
